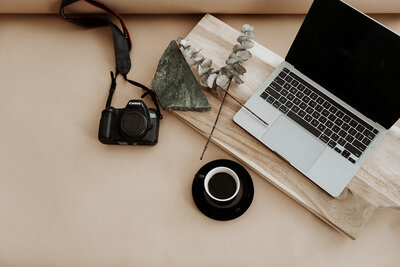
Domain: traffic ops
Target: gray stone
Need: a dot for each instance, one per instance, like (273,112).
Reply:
(175,84)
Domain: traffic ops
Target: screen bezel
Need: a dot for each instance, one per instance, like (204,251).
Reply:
(292,58)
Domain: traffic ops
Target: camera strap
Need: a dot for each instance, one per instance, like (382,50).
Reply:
(122,45)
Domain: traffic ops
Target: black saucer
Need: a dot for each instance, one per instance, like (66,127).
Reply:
(219,211)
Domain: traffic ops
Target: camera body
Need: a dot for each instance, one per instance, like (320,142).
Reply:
(133,125)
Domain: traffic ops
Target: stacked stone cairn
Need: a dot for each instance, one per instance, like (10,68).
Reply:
(215,78)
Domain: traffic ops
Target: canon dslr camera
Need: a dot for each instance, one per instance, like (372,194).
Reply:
(133,125)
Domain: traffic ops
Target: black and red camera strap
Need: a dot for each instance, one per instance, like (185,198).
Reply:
(122,44)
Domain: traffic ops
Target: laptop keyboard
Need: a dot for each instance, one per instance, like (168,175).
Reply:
(334,125)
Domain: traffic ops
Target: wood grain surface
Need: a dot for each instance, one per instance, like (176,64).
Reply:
(377,183)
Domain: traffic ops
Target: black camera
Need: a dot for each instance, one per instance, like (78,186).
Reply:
(133,125)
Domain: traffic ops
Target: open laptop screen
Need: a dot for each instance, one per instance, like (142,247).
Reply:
(352,56)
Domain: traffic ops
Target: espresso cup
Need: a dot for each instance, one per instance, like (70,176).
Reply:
(222,184)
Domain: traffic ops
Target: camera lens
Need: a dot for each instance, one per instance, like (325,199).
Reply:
(133,124)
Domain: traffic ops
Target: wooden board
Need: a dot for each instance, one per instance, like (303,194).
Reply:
(377,183)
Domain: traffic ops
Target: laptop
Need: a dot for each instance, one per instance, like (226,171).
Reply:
(331,101)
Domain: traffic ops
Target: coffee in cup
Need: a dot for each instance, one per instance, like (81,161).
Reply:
(222,184)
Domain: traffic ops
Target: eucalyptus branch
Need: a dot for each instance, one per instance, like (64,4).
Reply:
(216,78)
(220,79)
(215,124)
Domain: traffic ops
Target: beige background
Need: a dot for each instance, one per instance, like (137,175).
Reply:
(66,199)
(196,6)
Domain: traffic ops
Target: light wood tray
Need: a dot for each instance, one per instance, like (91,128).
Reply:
(377,183)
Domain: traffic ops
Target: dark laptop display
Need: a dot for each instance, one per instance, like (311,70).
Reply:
(353,57)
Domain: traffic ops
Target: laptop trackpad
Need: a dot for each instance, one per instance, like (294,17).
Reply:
(293,143)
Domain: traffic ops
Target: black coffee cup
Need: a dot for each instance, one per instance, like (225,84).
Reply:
(222,185)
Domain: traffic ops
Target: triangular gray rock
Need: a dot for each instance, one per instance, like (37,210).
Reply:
(175,84)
